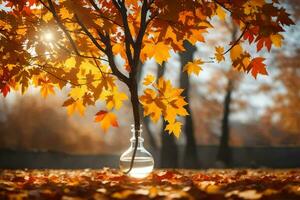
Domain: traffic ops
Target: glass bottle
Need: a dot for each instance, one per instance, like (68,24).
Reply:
(143,161)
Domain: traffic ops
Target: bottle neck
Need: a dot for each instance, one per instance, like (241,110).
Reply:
(133,138)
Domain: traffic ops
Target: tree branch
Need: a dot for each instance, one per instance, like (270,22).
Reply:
(95,6)
(237,41)
(52,10)
(89,34)
(109,53)
(128,36)
(138,44)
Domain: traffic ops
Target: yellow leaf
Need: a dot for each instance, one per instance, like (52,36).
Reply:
(47,17)
(76,106)
(151,103)
(219,54)
(236,52)
(70,63)
(106,119)
(221,13)
(174,128)
(164,100)
(77,92)
(159,51)
(46,89)
(21,31)
(115,99)
(276,39)
(148,80)
(64,13)
(193,67)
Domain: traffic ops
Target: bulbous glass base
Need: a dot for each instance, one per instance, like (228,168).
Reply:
(143,162)
(142,166)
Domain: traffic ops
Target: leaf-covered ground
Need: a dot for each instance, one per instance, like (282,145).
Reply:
(168,184)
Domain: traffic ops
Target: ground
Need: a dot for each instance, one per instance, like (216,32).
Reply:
(161,184)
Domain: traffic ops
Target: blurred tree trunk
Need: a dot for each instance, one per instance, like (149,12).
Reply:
(146,120)
(169,149)
(190,157)
(224,155)
(224,151)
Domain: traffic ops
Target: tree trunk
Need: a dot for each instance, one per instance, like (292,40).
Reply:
(190,157)
(169,149)
(224,155)
(224,152)
(136,115)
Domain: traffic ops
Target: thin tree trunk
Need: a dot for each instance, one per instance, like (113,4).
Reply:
(169,149)
(190,159)
(224,151)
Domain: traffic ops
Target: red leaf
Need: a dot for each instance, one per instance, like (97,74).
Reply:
(257,67)
(5,90)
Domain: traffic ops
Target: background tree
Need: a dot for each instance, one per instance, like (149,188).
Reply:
(190,157)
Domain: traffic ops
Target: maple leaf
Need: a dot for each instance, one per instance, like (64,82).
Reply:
(151,104)
(193,67)
(148,80)
(236,52)
(276,39)
(114,99)
(159,51)
(174,128)
(220,12)
(257,66)
(5,90)
(219,54)
(47,17)
(46,89)
(165,100)
(77,92)
(76,106)
(106,119)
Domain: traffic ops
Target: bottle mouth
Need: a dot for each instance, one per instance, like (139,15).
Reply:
(133,130)
(139,132)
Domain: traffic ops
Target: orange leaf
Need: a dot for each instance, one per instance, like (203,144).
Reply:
(257,67)
(106,119)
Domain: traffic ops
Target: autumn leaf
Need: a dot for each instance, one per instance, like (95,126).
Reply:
(46,89)
(236,52)
(219,51)
(193,67)
(174,128)
(220,12)
(64,13)
(276,39)
(114,99)
(47,17)
(76,106)
(164,100)
(159,51)
(77,92)
(257,67)
(106,119)
(148,80)
(5,90)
